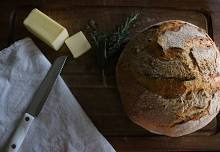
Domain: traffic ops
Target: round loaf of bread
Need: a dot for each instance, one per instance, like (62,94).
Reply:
(169,78)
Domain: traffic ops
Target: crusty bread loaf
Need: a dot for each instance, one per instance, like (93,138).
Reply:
(169,78)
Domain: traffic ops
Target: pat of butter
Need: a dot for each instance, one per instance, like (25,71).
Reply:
(78,44)
(46,29)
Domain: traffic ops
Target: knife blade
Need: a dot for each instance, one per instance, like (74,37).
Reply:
(36,104)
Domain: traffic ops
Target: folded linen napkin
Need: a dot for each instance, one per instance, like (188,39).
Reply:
(62,125)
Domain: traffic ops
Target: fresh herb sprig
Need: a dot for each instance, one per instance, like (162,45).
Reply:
(109,44)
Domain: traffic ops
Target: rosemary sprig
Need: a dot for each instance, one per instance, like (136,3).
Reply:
(108,44)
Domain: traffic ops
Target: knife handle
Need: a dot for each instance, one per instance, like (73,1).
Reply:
(20,133)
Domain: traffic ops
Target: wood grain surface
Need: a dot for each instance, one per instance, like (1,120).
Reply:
(96,90)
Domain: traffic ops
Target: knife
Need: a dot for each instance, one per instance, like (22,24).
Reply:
(36,105)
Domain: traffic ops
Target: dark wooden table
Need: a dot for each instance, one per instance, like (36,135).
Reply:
(96,90)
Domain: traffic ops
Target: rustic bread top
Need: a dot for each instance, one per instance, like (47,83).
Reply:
(176,65)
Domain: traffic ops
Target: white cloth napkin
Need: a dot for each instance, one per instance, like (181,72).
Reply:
(62,125)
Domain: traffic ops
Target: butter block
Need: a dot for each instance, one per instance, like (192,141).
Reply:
(46,29)
(78,44)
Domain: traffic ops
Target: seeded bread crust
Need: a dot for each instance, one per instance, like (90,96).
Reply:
(169,77)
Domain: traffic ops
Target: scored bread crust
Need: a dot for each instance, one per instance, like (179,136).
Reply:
(168,78)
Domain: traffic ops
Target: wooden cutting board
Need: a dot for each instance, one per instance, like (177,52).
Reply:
(96,90)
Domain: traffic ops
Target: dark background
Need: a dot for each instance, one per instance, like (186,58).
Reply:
(96,90)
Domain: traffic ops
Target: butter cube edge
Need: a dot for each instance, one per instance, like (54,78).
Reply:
(78,44)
